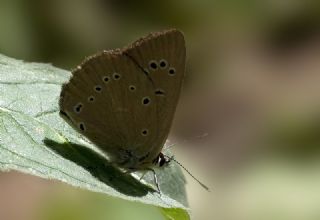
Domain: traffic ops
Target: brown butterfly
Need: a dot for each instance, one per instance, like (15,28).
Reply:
(124,100)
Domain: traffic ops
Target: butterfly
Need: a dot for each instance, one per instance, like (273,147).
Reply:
(124,100)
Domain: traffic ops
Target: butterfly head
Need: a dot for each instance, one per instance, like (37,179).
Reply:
(161,160)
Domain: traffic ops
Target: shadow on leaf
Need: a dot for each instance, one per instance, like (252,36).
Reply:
(100,168)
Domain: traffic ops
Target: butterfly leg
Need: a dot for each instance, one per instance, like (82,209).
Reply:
(155,179)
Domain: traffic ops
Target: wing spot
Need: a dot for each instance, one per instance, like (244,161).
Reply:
(106,79)
(159,92)
(172,71)
(144,132)
(163,64)
(91,98)
(132,88)
(82,126)
(98,88)
(116,76)
(146,101)
(78,107)
(153,65)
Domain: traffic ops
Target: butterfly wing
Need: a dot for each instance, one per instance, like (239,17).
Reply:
(162,55)
(122,107)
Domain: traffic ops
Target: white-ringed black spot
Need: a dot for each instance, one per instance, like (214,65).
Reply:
(159,92)
(144,132)
(163,64)
(106,79)
(132,88)
(116,76)
(91,99)
(81,126)
(172,71)
(98,88)
(153,65)
(146,101)
(77,108)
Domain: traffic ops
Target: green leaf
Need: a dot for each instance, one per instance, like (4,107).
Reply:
(171,214)
(35,140)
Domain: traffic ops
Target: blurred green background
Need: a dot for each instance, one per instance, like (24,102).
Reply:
(252,84)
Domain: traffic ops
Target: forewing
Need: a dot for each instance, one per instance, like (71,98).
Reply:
(162,56)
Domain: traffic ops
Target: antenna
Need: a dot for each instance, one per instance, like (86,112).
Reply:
(202,184)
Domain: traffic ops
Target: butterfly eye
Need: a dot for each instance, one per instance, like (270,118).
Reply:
(116,76)
(172,71)
(144,132)
(163,64)
(98,88)
(153,65)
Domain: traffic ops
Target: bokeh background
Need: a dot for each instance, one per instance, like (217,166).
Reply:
(252,84)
